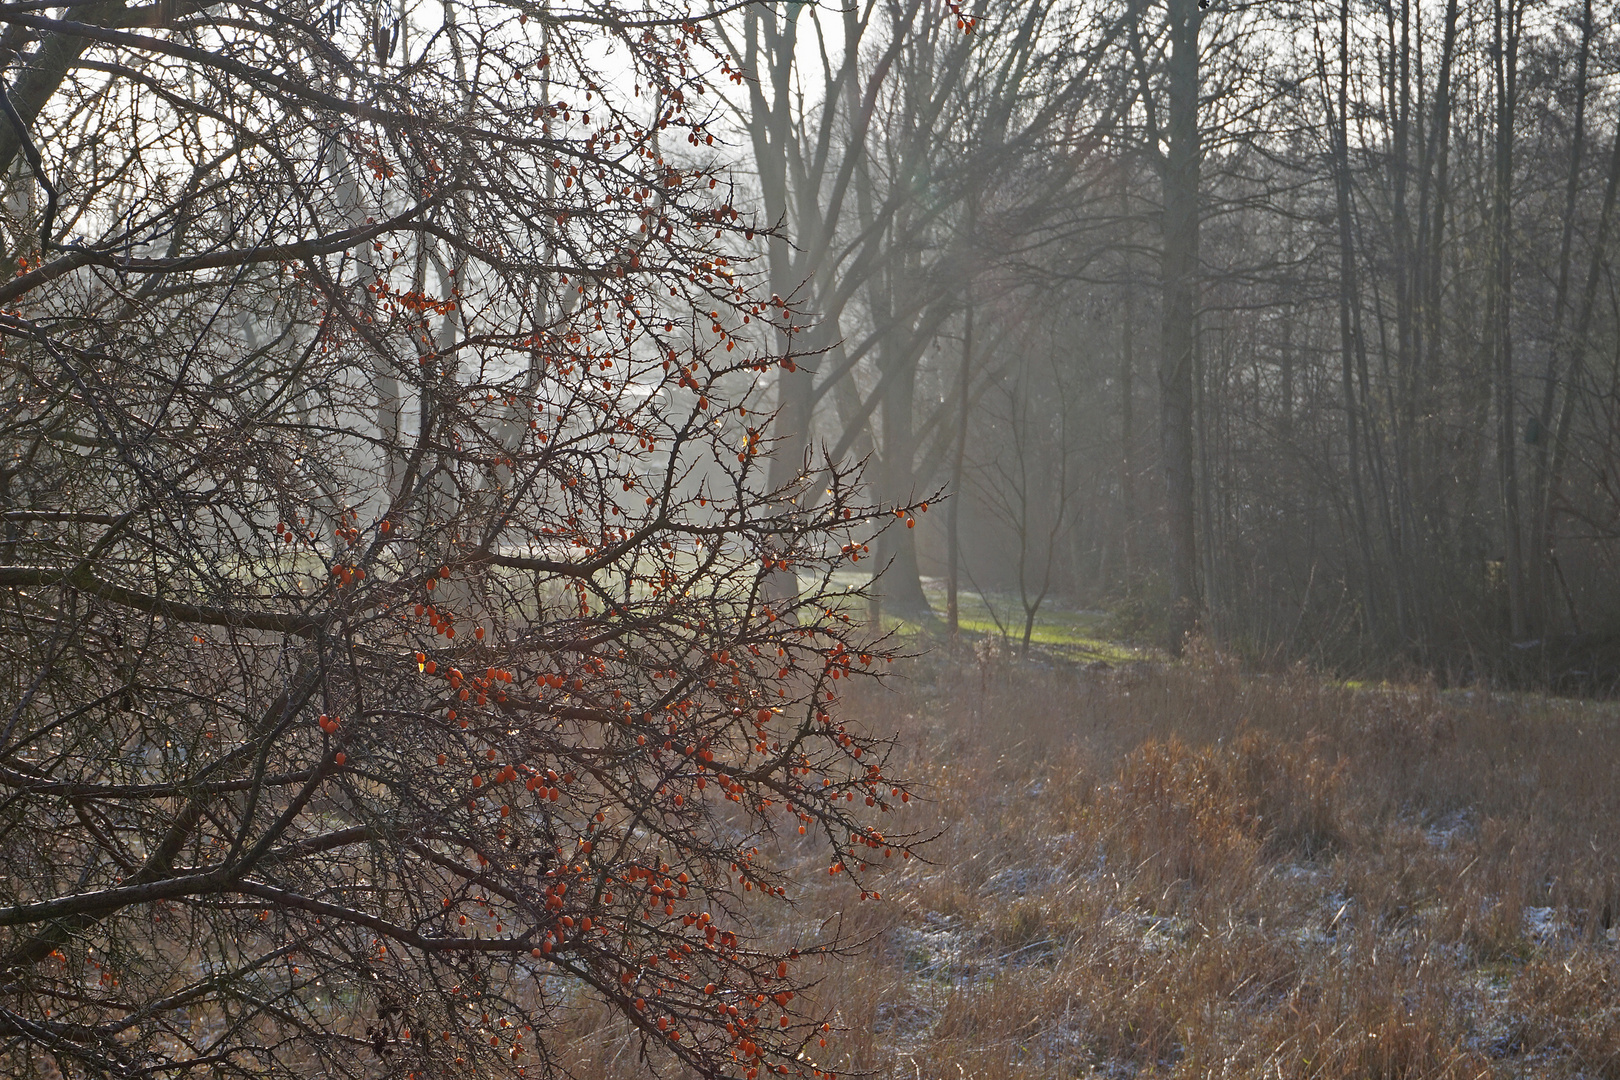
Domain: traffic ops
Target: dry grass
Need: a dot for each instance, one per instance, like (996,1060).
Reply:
(1191,872)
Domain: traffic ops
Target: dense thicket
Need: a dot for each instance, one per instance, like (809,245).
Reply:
(1296,320)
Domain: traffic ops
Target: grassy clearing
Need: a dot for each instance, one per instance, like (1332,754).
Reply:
(1067,633)
(1184,871)
(997,620)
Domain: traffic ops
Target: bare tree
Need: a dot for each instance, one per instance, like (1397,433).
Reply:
(388,657)
(918,111)
(1025,473)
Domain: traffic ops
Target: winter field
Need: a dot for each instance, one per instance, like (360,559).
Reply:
(1183,870)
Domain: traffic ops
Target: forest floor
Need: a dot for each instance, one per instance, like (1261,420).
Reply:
(1060,632)
(1148,869)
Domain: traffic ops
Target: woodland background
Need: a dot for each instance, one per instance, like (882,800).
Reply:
(1294,321)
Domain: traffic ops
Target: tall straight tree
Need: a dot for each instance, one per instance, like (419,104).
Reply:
(1179,272)
(1507,19)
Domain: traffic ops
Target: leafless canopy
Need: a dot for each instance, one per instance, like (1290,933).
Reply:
(387,657)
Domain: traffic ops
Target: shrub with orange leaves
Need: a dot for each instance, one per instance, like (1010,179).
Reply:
(442,411)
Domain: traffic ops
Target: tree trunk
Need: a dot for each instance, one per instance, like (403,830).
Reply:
(902,579)
(771,131)
(1427,473)
(1127,404)
(1179,273)
(1400,520)
(39,80)
(1505,35)
(1349,326)
(953,556)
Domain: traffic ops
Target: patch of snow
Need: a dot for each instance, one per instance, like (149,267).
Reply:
(1491,1029)
(933,950)
(1019,880)
(1161,932)
(1337,911)
(1311,936)
(905,1021)
(1542,925)
(1111,1069)
(1454,826)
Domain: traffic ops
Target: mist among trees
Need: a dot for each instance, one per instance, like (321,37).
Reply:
(470,468)
(1285,322)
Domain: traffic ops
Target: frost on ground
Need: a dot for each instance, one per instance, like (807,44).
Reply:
(1017,881)
(937,949)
